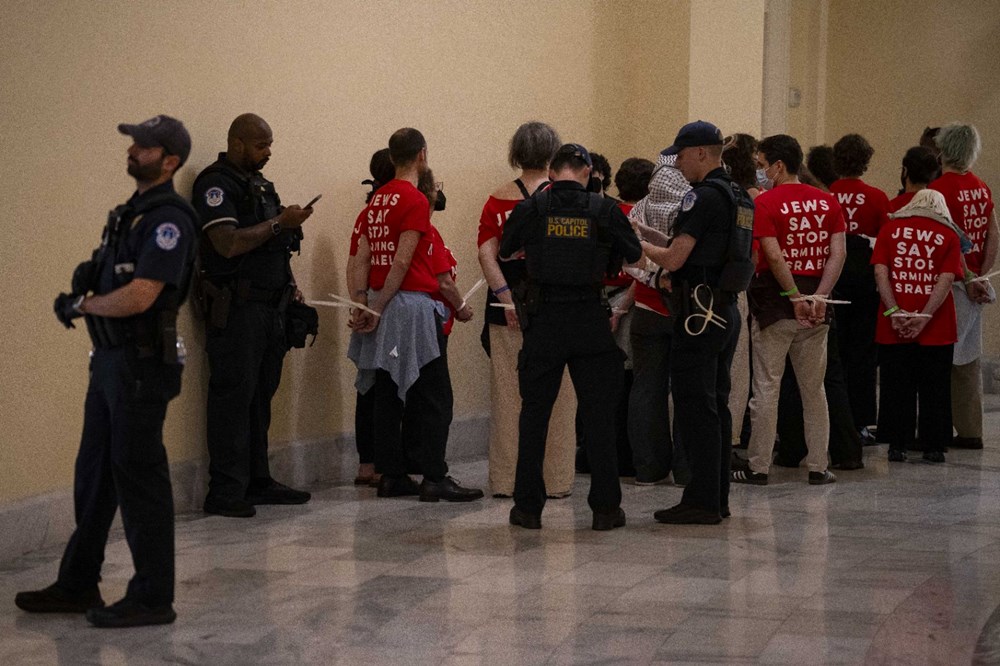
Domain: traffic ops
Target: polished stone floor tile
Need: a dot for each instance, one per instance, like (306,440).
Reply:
(893,564)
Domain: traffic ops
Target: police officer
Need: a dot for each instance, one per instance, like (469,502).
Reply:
(571,239)
(129,293)
(709,263)
(246,265)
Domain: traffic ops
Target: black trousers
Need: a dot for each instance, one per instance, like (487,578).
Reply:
(858,351)
(845,442)
(426,415)
(654,452)
(700,380)
(364,427)
(576,335)
(122,464)
(245,361)
(915,375)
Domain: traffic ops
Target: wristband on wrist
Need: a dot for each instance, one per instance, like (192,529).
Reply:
(78,304)
(968,276)
(890,311)
(501,290)
(790,292)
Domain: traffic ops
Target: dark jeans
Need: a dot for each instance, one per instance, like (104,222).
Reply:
(845,442)
(426,416)
(245,361)
(915,374)
(122,464)
(653,450)
(700,381)
(858,351)
(576,335)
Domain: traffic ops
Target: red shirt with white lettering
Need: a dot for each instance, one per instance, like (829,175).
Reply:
(970,203)
(439,260)
(398,206)
(866,208)
(900,200)
(495,213)
(802,218)
(917,250)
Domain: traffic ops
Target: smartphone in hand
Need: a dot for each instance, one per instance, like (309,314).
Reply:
(315,199)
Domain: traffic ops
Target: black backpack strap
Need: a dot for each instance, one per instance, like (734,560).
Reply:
(524,190)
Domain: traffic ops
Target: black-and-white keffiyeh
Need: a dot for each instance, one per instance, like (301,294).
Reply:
(667,188)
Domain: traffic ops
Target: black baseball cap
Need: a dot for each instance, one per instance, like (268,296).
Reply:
(164,131)
(575,150)
(698,133)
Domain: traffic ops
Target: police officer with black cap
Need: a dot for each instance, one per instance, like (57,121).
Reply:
(129,294)
(571,239)
(247,282)
(709,263)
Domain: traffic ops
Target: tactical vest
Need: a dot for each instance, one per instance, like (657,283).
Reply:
(738,269)
(574,246)
(257,201)
(153,332)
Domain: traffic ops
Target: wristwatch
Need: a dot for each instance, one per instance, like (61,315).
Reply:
(276,228)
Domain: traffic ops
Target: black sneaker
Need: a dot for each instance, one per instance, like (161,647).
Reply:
(397,486)
(447,489)
(273,492)
(974,443)
(229,507)
(529,521)
(608,520)
(897,455)
(748,476)
(724,512)
(934,457)
(821,478)
(684,514)
(56,599)
(867,438)
(848,465)
(128,613)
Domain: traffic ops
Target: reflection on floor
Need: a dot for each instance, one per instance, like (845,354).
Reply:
(895,563)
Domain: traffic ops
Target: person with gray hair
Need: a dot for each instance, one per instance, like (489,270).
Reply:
(970,202)
(531,149)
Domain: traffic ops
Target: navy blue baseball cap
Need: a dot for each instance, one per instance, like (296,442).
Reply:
(164,131)
(698,133)
(575,150)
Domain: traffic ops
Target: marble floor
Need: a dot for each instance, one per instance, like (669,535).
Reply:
(893,564)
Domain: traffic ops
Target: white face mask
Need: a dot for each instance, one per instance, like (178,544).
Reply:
(763,181)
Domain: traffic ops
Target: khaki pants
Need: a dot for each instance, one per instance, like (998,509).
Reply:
(559,468)
(806,347)
(967,399)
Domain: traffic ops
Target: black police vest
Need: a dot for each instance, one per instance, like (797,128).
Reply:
(738,269)
(574,246)
(256,202)
(154,330)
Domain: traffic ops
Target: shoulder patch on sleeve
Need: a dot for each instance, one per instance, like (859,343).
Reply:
(167,236)
(214,196)
(688,202)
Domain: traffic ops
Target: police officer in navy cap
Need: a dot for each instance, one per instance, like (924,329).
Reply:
(129,294)
(246,253)
(571,239)
(709,263)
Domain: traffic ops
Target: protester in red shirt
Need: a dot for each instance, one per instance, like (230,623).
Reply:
(801,234)
(971,205)
(531,150)
(916,260)
(920,167)
(865,210)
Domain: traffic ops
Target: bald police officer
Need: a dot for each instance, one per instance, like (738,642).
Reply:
(709,263)
(129,294)
(571,239)
(246,264)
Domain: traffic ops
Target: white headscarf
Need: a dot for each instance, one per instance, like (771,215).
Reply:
(932,205)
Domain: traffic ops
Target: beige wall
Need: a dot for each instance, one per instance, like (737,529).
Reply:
(334,79)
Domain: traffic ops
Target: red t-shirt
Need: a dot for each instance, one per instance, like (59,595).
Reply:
(439,259)
(398,206)
(970,203)
(359,228)
(495,213)
(900,201)
(802,218)
(917,250)
(866,208)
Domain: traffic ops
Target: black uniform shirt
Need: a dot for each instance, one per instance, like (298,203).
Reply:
(156,246)
(225,195)
(707,215)
(525,226)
